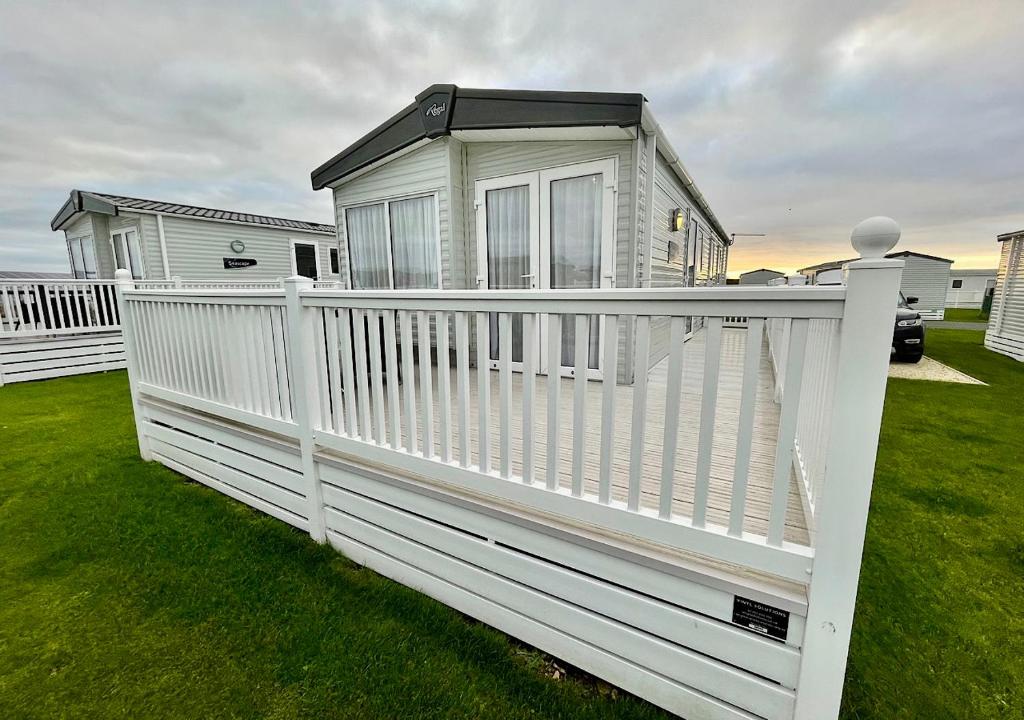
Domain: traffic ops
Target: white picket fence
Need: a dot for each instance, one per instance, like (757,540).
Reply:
(643,533)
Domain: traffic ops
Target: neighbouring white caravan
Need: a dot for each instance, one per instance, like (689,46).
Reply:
(158,240)
(1005,332)
(968,288)
(925,277)
(508,189)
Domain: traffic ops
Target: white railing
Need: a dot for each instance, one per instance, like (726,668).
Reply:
(47,307)
(461,391)
(817,369)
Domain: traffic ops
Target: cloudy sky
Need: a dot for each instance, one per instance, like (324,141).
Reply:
(796,119)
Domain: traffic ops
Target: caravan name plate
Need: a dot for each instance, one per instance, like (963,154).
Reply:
(760,618)
(232,263)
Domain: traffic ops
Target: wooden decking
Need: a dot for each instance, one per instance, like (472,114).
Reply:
(723,448)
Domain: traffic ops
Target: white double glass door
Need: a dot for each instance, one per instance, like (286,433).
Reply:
(548,229)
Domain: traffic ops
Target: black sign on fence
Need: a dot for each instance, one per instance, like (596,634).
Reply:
(232,263)
(761,618)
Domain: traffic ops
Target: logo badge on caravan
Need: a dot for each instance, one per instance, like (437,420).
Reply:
(435,109)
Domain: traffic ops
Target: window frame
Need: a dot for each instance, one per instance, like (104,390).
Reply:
(386,203)
(954,286)
(71,257)
(128,250)
(292,242)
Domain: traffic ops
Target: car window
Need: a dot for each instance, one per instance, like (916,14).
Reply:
(901,301)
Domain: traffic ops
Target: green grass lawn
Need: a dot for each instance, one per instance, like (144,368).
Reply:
(939,631)
(965,315)
(126,591)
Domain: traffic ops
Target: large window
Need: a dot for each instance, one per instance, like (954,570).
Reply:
(83,258)
(394,244)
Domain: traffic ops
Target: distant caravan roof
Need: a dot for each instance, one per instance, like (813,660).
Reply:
(908,253)
(87,201)
(1009,235)
(447,109)
(748,272)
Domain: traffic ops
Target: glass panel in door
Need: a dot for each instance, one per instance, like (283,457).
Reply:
(119,255)
(509,254)
(576,234)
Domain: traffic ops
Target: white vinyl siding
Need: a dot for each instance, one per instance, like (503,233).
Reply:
(667,265)
(196,249)
(927,279)
(423,171)
(1006,322)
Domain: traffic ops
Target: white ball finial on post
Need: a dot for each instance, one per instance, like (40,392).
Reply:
(876,236)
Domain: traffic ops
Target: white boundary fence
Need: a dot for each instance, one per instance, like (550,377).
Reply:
(280,399)
(55,328)
(51,328)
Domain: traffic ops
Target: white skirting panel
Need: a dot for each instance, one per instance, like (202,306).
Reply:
(245,465)
(664,635)
(45,357)
(1013,347)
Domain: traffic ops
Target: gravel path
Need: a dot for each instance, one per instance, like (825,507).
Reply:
(929,369)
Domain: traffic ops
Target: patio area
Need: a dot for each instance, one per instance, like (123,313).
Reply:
(766,425)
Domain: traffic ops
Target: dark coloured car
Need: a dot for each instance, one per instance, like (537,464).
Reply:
(908,335)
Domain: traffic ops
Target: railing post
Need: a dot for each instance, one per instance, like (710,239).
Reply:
(872,284)
(302,363)
(176,279)
(131,354)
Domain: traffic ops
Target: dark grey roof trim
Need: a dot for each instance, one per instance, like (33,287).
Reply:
(1009,235)
(86,201)
(442,108)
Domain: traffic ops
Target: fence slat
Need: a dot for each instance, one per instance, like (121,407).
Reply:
(529,392)
(641,371)
(745,425)
(408,380)
(362,376)
(426,384)
(483,374)
(321,382)
(391,356)
(673,388)
(554,370)
(608,383)
(352,426)
(334,371)
(581,361)
(505,392)
(708,406)
(373,320)
(788,416)
(444,381)
(462,378)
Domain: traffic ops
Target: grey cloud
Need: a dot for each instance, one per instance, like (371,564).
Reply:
(797,119)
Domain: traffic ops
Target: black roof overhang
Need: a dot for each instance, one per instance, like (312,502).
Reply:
(78,202)
(440,109)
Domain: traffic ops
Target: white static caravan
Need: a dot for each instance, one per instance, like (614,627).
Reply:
(968,288)
(506,189)
(1005,333)
(158,240)
(925,277)
(762,276)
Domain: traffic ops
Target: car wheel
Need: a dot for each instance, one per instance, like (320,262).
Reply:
(909,358)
